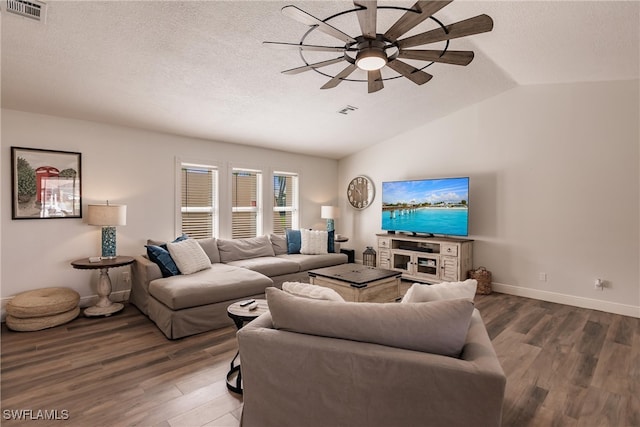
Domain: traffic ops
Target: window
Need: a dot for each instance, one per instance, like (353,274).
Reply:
(199,201)
(246,205)
(285,201)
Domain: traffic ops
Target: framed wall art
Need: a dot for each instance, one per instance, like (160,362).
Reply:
(45,184)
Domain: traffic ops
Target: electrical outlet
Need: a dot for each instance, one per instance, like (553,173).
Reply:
(542,277)
(599,284)
(126,277)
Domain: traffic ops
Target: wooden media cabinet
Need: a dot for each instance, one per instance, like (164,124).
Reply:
(426,259)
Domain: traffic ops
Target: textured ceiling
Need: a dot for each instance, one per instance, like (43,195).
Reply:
(198,68)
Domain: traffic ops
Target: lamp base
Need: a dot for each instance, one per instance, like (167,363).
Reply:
(108,242)
(330,224)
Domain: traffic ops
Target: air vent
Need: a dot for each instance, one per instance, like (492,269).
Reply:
(347,109)
(33,9)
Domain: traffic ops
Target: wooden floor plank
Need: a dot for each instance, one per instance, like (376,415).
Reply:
(565,366)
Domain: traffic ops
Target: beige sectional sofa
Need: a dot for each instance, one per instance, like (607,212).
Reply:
(315,363)
(188,304)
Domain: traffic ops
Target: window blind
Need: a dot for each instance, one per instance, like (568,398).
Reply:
(198,197)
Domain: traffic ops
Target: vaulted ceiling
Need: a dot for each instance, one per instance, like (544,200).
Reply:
(198,68)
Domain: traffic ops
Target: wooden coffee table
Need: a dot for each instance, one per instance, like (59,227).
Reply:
(356,282)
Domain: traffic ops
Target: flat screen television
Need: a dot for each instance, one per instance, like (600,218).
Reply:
(426,206)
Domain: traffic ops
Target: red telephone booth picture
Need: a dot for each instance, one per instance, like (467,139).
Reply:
(42,173)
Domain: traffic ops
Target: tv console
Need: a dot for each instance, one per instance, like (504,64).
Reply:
(426,259)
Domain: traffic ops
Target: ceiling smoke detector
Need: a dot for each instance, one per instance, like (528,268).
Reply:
(33,9)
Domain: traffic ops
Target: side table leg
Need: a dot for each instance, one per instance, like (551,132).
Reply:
(104,306)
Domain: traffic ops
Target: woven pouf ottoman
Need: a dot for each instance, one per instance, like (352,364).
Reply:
(42,308)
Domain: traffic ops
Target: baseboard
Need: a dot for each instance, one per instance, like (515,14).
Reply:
(88,301)
(593,304)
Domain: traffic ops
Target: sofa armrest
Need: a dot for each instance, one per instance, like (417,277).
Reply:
(293,379)
(143,272)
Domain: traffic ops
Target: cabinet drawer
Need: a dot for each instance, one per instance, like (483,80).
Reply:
(384,254)
(383,243)
(446,249)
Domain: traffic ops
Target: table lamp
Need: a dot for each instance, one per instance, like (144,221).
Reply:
(108,217)
(329,213)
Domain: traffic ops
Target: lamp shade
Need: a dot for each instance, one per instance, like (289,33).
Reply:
(107,215)
(329,212)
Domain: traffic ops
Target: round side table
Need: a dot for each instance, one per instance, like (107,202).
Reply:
(104,306)
(241,315)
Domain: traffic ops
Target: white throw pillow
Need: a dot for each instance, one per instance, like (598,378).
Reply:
(189,256)
(419,292)
(314,242)
(306,290)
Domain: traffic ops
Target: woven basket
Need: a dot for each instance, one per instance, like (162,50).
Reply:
(483,276)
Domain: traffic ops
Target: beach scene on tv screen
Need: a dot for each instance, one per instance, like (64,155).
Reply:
(434,206)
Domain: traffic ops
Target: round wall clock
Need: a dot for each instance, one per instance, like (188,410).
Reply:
(360,192)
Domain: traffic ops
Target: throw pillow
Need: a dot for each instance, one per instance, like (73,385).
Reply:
(293,241)
(158,253)
(163,243)
(279,244)
(438,327)
(306,290)
(419,292)
(313,242)
(189,256)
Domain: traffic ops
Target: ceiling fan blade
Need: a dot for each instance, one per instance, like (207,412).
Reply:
(374,78)
(412,73)
(303,17)
(280,45)
(475,25)
(312,66)
(367,17)
(455,57)
(338,78)
(410,19)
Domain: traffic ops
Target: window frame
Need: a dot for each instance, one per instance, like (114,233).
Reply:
(295,205)
(214,166)
(258,209)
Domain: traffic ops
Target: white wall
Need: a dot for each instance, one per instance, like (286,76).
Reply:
(554,173)
(125,166)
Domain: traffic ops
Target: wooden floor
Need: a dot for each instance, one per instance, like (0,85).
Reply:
(565,366)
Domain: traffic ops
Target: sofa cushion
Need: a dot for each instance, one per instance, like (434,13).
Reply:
(189,256)
(314,242)
(268,265)
(438,327)
(293,241)
(279,244)
(419,292)
(306,290)
(309,262)
(237,249)
(210,247)
(219,283)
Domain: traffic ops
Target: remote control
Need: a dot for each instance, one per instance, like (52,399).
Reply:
(252,306)
(247,302)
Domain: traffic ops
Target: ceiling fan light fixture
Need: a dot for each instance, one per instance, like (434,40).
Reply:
(371,59)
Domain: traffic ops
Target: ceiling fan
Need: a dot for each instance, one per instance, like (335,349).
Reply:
(371,51)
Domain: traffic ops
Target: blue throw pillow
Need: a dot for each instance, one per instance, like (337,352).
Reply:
(294,241)
(161,256)
(331,246)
